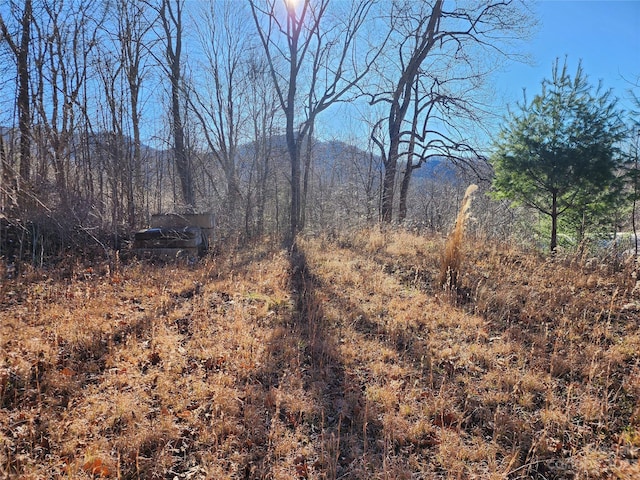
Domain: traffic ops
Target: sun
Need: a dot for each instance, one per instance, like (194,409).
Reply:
(293,4)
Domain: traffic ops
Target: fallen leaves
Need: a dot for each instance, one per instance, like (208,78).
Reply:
(96,467)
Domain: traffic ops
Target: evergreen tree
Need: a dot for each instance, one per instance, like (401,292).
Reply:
(559,153)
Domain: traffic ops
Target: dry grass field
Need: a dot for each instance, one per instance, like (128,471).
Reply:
(343,360)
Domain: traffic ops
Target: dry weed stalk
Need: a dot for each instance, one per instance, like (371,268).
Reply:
(450,268)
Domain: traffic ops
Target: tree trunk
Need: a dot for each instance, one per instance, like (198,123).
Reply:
(179,150)
(305,182)
(295,184)
(554,222)
(234,196)
(406,178)
(24,119)
(173,53)
(137,154)
(292,142)
(388,184)
(404,190)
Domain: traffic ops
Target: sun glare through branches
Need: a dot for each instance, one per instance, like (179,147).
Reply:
(292,4)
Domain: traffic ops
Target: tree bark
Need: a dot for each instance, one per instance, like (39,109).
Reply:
(404,190)
(24,119)
(388,187)
(305,182)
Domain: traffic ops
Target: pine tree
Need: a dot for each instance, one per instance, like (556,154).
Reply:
(560,152)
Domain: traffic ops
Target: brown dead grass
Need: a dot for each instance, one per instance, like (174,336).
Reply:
(344,359)
(452,257)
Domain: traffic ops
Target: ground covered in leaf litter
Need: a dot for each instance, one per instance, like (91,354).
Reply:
(343,359)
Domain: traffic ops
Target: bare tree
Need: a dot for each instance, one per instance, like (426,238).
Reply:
(171,18)
(133,29)
(426,38)
(219,104)
(20,44)
(312,60)
(262,110)
(431,46)
(110,144)
(436,114)
(66,36)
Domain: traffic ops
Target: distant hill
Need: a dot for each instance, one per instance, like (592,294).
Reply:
(436,167)
(325,154)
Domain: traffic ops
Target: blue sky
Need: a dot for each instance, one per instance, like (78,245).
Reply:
(605,35)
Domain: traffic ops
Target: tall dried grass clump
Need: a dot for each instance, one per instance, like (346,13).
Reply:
(450,268)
